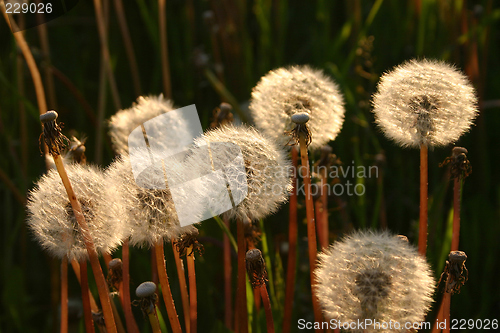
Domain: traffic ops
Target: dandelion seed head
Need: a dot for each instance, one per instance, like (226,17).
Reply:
(424,102)
(374,275)
(52,221)
(285,91)
(151,213)
(266,173)
(125,121)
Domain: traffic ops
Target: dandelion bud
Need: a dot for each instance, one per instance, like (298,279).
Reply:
(115,273)
(52,133)
(455,273)
(146,289)
(283,92)
(373,275)
(300,118)
(256,268)
(51,217)
(424,102)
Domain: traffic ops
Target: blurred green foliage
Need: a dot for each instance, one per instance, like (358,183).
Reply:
(354,41)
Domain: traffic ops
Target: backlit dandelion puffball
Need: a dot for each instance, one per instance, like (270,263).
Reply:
(151,214)
(377,276)
(125,121)
(285,91)
(51,218)
(265,176)
(424,102)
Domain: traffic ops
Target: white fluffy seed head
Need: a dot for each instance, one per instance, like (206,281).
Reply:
(51,218)
(424,102)
(150,214)
(125,121)
(374,275)
(266,172)
(285,91)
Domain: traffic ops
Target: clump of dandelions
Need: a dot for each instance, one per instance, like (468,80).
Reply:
(52,221)
(424,102)
(125,121)
(151,213)
(374,275)
(266,172)
(285,91)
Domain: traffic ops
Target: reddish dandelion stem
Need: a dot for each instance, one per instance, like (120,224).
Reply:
(102,286)
(267,307)
(165,288)
(292,248)
(311,232)
(126,304)
(64,295)
(241,292)
(183,286)
(228,314)
(422,235)
(84,286)
(192,289)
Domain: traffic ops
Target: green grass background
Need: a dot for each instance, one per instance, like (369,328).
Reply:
(353,41)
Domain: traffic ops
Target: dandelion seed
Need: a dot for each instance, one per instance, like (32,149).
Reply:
(285,91)
(125,121)
(374,275)
(266,174)
(151,213)
(52,220)
(424,102)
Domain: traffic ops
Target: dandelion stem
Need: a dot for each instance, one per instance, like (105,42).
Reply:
(84,286)
(267,308)
(311,232)
(192,289)
(241,298)
(292,248)
(64,295)
(125,292)
(228,314)
(323,241)
(102,286)
(166,292)
(183,286)
(153,319)
(422,236)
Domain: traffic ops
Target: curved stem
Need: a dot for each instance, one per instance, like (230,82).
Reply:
(165,288)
